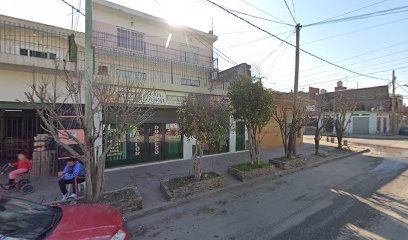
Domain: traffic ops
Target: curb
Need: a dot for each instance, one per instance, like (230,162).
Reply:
(142,213)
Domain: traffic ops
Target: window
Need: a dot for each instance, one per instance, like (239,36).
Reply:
(189,54)
(130,40)
(190,82)
(103,70)
(129,75)
(38,54)
(23,52)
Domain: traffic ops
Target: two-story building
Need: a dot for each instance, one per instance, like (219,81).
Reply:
(172,61)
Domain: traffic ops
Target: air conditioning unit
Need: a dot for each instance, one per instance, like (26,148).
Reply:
(214,76)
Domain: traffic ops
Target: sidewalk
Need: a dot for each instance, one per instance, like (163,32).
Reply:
(146,177)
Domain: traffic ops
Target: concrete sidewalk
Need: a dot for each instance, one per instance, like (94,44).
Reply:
(147,176)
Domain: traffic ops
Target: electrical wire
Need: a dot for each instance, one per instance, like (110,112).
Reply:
(273,51)
(355,31)
(287,6)
(355,56)
(356,10)
(257,17)
(261,10)
(396,10)
(78,10)
(294,10)
(304,51)
(252,41)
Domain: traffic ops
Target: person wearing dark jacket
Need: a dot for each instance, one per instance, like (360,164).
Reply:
(74,173)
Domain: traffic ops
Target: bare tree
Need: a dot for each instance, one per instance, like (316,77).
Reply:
(290,120)
(343,110)
(119,100)
(319,119)
(206,119)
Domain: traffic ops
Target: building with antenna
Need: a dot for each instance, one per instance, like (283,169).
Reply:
(172,60)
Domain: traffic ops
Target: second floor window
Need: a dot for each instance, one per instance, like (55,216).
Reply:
(130,40)
(129,75)
(38,54)
(190,82)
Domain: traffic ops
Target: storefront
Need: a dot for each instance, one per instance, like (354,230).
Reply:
(156,140)
(147,143)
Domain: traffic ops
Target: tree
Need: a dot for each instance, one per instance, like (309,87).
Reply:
(321,117)
(120,98)
(253,104)
(206,119)
(343,110)
(290,119)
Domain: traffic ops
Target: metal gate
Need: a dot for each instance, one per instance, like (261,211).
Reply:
(361,125)
(17,131)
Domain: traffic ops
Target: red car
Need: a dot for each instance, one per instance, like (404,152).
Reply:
(22,219)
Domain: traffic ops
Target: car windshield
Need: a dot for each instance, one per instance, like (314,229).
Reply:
(20,219)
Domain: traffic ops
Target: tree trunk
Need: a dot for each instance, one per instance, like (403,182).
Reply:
(252,152)
(290,144)
(197,162)
(317,142)
(339,142)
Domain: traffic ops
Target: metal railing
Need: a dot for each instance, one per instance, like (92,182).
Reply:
(113,42)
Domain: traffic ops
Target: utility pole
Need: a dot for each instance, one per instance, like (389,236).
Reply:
(393,122)
(296,86)
(89,71)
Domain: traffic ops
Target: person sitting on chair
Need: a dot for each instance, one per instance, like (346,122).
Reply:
(74,173)
(23,165)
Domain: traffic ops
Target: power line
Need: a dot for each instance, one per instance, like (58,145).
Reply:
(287,6)
(261,10)
(355,31)
(346,13)
(252,41)
(304,51)
(262,18)
(294,10)
(370,67)
(272,52)
(362,16)
(358,55)
(78,10)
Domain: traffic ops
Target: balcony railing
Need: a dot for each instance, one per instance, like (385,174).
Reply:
(35,42)
(113,42)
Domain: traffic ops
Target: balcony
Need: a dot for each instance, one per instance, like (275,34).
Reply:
(137,47)
(25,45)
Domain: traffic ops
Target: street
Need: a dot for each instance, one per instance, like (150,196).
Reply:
(363,197)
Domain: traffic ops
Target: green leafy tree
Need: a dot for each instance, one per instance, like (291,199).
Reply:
(206,119)
(253,104)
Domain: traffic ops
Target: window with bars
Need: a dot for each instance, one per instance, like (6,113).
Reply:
(190,82)
(38,54)
(129,75)
(188,54)
(130,40)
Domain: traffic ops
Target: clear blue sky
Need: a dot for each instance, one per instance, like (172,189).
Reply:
(385,37)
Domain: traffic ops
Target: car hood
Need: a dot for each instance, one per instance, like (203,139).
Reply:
(87,221)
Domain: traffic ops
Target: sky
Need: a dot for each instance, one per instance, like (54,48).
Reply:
(372,46)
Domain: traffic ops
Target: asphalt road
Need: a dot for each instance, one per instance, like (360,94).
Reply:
(363,197)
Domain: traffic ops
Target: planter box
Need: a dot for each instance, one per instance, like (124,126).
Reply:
(288,163)
(193,187)
(251,174)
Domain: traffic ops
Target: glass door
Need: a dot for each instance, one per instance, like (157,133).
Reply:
(156,144)
(240,136)
(173,142)
(137,147)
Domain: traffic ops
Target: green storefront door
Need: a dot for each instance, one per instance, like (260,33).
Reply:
(148,143)
(240,136)
(155,145)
